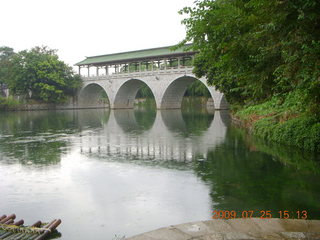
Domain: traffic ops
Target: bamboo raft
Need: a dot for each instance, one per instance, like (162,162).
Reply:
(15,230)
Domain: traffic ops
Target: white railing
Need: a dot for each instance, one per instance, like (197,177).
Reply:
(181,70)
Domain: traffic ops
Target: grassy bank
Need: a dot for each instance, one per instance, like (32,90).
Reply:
(282,121)
(8,103)
(12,104)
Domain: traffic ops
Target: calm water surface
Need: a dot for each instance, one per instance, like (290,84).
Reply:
(110,174)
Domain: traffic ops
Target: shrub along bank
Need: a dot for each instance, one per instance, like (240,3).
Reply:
(8,103)
(285,122)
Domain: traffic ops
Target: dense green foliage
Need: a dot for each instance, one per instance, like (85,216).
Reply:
(144,92)
(37,74)
(5,63)
(254,49)
(283,123)
(197,89)
(265,56)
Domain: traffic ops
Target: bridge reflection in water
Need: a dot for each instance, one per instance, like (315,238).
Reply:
(160,136)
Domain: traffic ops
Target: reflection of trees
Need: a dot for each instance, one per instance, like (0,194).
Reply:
(145,118)
(135,120)
(196,123)
(36,137)
(245,179)
(40,152)
(187,122)
(19,122)
(91,118)
(304,161)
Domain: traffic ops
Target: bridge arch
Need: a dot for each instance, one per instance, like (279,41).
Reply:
(174,92)
(127,92)
(93,95)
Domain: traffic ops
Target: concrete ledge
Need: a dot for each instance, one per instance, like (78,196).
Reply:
(237,229)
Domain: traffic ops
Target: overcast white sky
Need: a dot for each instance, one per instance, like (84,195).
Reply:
(79,28)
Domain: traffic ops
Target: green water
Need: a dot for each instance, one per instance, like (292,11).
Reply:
(110,174)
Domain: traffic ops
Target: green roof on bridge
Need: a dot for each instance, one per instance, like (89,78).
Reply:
(135,55)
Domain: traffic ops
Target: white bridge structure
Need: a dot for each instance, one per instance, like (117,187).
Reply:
(119,76)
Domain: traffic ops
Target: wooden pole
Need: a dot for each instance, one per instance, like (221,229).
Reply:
(52,227)
(12,216)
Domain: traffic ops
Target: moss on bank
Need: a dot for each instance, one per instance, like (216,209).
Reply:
(283,121)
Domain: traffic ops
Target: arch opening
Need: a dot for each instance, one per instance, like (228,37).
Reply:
(188,92)
(197,97)
(134,93)
(93,96)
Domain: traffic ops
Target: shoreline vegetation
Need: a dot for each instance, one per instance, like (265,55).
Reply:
(280,123)
(12,104)
(8,103)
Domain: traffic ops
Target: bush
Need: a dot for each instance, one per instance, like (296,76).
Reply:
(302,131)
(283,121)
(8,103)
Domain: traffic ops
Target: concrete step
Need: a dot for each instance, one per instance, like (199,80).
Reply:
(237,229)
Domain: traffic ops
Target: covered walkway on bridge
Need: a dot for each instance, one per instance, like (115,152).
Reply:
(153,59)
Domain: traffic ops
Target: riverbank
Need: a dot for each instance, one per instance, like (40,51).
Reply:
(44,106)
(234,229)
(283,122)
(11,104)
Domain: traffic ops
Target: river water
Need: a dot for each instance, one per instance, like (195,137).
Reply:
(109,174)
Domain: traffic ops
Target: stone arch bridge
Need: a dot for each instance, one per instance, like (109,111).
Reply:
(167,73)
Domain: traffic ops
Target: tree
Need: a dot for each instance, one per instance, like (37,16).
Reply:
(40,75)
(6,54)
(255,49)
